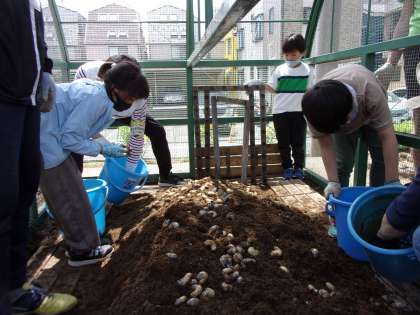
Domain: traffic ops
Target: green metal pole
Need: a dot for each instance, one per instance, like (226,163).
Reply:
(360,164)
(208,11)
(60,35)
(189,75)
(313,22)
(332,26)
(199,19)
(368,22)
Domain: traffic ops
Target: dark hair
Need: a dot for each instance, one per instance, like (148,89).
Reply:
(294,42)
(326,105)
(119,58)
(126,76)
(115,59)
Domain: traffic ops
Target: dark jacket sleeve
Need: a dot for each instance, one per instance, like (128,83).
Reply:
(21,58)
(404,212)
(46,63)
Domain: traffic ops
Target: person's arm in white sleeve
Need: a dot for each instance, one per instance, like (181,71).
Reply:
(271,85)
(311,78)
(401,29)
(80,73)
(386,72)
(136,142)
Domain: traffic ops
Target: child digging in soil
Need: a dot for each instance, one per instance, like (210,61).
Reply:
(288,82)
(348,103)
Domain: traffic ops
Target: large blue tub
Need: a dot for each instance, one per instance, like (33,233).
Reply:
(395,264)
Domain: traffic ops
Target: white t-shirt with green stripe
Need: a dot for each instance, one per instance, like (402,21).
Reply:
(290,85)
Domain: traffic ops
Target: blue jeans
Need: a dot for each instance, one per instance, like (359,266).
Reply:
(416,242)
(20,165)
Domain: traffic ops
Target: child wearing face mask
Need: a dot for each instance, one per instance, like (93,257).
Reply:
(288,82)
(82,110)
(137,112)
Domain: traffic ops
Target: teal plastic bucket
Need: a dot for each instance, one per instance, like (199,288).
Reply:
(121,181)
(395,264)
(97,191)
(339,208)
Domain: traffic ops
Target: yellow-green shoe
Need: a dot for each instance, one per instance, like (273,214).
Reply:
(35,301)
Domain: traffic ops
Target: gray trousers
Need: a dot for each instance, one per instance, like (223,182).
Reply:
(66,197)
(346,144)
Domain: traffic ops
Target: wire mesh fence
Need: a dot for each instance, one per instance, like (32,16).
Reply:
(157,31)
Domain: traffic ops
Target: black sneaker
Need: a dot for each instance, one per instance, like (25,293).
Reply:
(105,240)
(171,180)
(94,256)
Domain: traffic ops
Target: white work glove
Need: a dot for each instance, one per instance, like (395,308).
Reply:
(252,83)
(388,232)
(385,73)
(47,92)
(332,188)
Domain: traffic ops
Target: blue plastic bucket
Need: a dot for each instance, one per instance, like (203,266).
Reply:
(339,208)
(97,191)
(121,181)
(395,264)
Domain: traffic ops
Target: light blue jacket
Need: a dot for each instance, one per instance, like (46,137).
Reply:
(82,110)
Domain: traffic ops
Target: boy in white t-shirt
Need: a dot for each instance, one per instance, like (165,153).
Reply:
(289,82)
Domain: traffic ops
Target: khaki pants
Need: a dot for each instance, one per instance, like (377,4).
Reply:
(66,197)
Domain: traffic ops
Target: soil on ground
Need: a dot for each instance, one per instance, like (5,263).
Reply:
(140,278)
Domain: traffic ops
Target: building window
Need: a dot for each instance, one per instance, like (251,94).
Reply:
(258,27)
(241,77)
(111,35)
(228,47)
(102,17)
(49,36)
(173,17)
(261,73)
(113,17)
(271,18)
(118,50)
(251,73)
(123,35)
(241,39)
(306,13)
(174,35)
(178,52)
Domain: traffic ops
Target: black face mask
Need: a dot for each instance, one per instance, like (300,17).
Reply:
(119,104)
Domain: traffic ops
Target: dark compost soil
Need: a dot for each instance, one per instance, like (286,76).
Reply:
(141,279)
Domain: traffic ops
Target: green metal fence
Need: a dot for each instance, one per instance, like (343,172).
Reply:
(251,49)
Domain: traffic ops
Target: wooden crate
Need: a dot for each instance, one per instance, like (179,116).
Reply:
(231,159)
